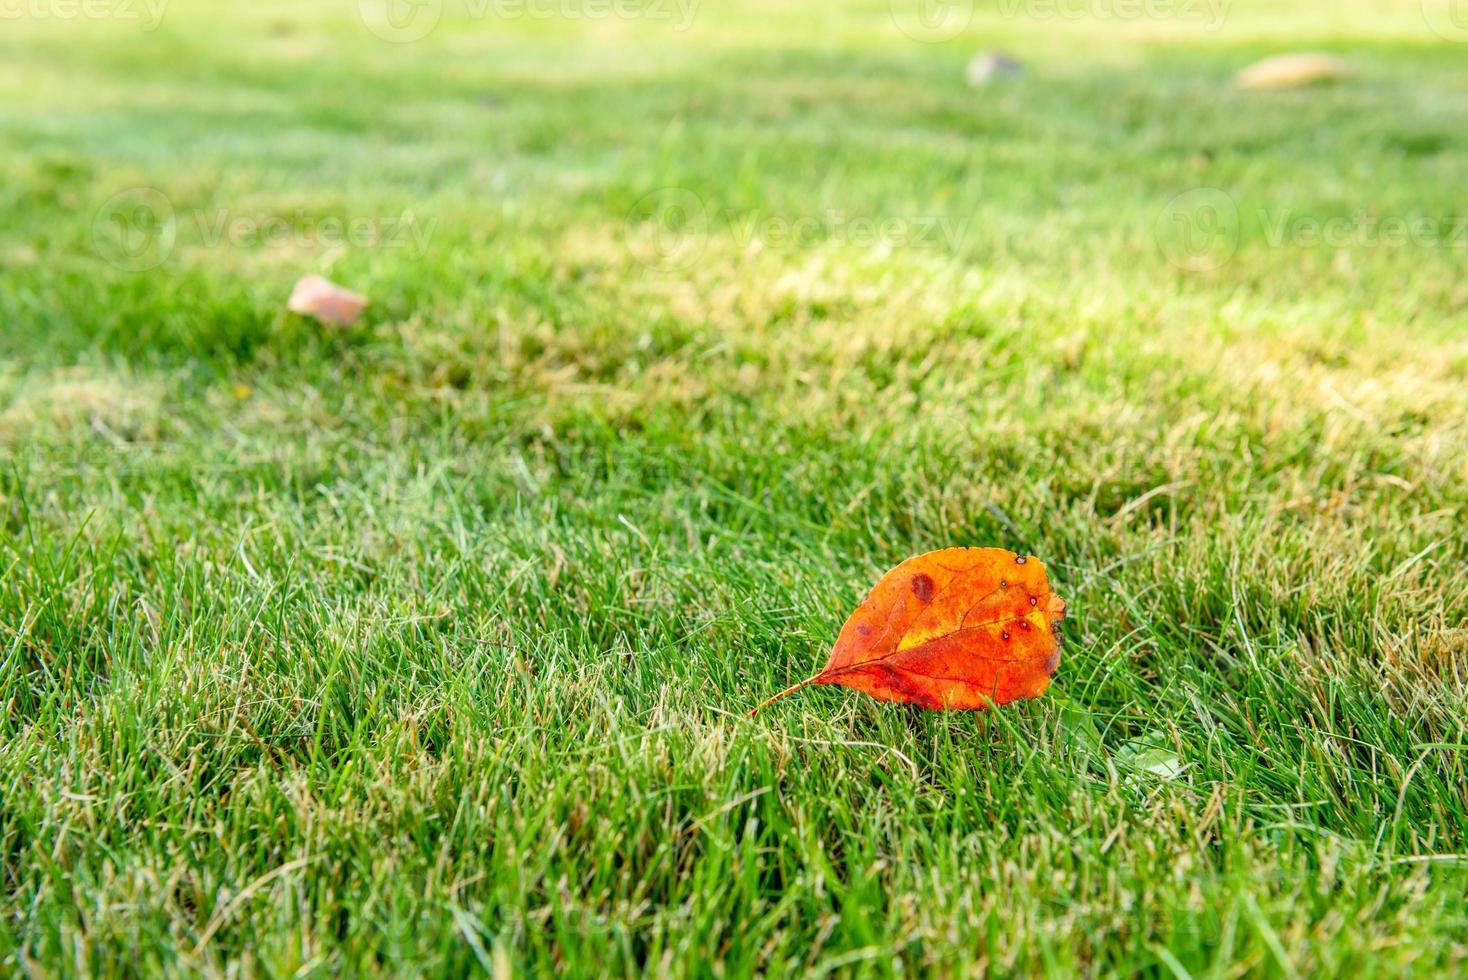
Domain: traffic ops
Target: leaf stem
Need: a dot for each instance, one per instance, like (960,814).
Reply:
(783,694)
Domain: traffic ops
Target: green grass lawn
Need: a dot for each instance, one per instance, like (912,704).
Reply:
(423,646)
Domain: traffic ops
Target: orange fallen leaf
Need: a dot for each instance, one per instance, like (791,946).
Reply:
(961,628)
(324,300)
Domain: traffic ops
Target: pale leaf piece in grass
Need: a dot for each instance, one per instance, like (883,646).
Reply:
(323,300)
(987,66)
(966,628)
(1287,71)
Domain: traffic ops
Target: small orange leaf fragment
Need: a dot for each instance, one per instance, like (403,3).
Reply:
(960,628)
(327,302)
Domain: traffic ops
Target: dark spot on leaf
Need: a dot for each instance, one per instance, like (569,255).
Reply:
(1053,664)
(1020,560)
(899,683)
(863,630)
(922,587)
(1034,601)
